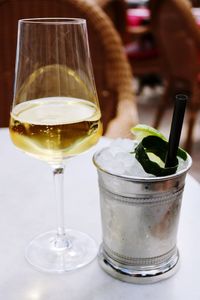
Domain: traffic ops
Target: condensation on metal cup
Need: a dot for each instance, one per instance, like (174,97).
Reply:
(140,219)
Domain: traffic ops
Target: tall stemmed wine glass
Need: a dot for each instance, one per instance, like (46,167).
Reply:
(55,115)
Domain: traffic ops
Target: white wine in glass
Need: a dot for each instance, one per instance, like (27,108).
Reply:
(55,116)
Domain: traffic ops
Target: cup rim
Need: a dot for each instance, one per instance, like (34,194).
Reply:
(53,21)
(141,179)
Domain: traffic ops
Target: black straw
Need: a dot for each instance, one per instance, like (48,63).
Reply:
(176,127)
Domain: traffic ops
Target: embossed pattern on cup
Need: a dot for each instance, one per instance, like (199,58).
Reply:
(140,218)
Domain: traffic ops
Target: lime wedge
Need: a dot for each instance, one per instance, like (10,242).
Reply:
(156,159)
(141,131)
(151,153)
(152,149)
(158,147)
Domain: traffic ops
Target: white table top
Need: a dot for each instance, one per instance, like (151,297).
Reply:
(27,208)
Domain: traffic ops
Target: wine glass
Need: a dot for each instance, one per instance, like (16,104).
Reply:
(55,116)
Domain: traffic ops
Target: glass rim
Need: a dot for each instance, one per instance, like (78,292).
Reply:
(141,178)
(53,21)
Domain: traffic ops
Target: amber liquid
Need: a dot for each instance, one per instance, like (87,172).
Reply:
(55,128)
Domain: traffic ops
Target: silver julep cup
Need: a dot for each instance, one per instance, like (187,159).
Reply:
(140,219)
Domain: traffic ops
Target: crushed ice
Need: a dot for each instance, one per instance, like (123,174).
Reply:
(118,159)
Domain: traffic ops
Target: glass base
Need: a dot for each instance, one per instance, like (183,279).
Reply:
(139,274)
(50,253)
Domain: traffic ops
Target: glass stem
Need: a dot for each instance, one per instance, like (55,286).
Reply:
(61,238)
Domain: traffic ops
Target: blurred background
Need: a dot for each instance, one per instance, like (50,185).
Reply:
(159,47)
(144,52)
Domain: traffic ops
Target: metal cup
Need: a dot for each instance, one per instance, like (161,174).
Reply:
(140,219)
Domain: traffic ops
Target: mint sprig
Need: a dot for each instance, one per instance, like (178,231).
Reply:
(159,147)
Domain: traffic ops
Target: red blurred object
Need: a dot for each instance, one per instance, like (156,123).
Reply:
(142,15)
(140,51)
(196,14)
(137,16)
(140,47)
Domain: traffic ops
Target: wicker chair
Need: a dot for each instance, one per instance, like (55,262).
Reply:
(178,39)
(111,69)
(116,10)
